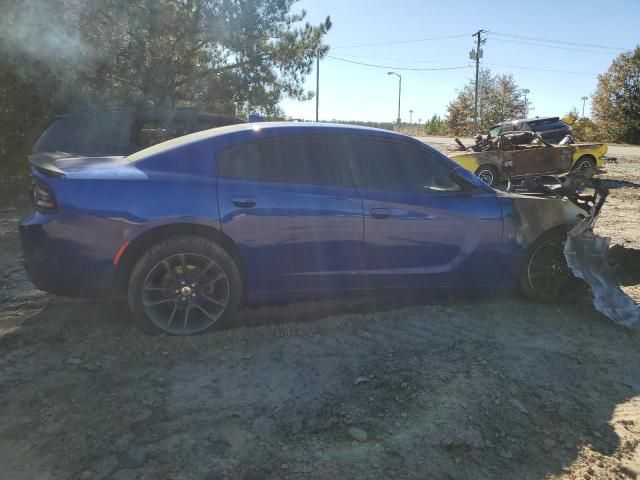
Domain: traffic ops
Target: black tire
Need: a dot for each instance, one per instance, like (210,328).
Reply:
(488,174)
(545,276)
(586,161)
(184,285)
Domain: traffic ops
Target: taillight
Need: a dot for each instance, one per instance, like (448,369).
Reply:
(43,198)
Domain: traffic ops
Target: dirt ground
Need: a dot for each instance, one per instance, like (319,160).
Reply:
(371,388)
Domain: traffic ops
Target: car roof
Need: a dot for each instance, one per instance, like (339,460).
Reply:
(539,119)
(267,128)
(526,120)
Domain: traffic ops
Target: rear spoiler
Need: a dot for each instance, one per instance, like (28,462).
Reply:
(45,162)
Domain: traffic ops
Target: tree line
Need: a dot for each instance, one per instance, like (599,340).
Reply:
(224,56)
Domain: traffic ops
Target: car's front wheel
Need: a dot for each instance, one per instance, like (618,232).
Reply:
(184,285)
(545,276)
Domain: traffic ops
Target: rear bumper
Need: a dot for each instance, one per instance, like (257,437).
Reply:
(59,256)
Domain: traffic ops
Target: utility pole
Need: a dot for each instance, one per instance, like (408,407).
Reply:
(317,82)
(477,55)
(584,101)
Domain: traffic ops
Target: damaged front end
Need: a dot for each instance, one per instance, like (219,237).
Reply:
(586,254)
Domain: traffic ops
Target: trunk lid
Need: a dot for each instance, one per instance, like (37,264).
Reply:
(61,164)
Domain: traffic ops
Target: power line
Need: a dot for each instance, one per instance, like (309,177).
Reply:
(522,67)
(395,59)
(399,42)
(539,69)
(538,39)
(551,46)
(395,68)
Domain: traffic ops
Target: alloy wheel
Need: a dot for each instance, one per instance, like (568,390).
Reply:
(486,176)
(548,273)
(185,293)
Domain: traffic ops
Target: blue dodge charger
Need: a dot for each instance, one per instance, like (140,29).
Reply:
(193,228)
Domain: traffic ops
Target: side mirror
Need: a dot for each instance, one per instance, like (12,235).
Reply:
(468,181)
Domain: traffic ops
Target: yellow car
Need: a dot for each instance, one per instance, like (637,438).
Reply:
(537,158)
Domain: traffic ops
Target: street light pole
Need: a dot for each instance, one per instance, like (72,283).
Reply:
(584,101)
(317,82)
(399,92)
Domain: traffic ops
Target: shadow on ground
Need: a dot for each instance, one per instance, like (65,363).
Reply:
(473,389)
(610,183)
(627,263)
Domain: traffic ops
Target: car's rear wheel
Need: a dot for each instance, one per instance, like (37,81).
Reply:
(184,285)
(545,276)
(488,174)
(584,162)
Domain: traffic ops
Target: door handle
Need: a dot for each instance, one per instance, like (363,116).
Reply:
(243,202)
(380,212)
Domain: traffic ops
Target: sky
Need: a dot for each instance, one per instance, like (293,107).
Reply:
(355,92)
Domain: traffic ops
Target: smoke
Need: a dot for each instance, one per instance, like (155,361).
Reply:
(42,31)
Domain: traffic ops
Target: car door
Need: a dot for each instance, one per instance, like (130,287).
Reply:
(420,228)
(290,205)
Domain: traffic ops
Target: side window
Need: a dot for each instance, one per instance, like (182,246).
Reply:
(546,125)
(495,131)
(306,160)
(151,132)
(390,165)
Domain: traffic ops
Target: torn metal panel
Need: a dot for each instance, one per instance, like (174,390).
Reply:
(550,201)
(587,257)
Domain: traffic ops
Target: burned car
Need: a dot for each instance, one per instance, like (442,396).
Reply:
(517,154)
(193,228)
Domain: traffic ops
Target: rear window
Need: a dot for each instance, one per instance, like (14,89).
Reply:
(305,160)
(545,125)
(85,134)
